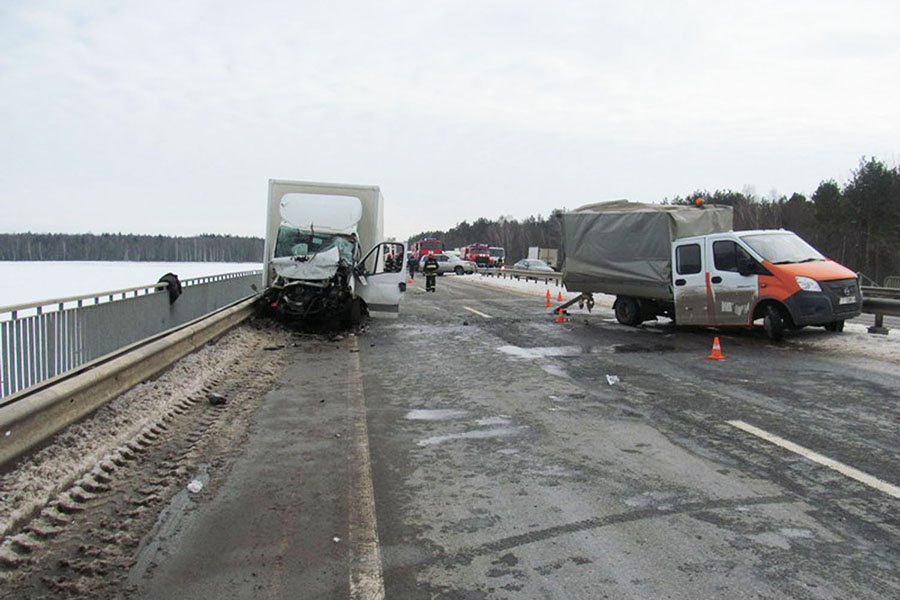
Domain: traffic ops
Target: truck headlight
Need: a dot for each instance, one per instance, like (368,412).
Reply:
(808,284)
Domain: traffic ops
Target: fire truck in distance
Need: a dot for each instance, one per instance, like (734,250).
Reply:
(479,254)
(426,246)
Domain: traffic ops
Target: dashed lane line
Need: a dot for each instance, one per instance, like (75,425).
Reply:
(860,476)
(477,312)
(366,577)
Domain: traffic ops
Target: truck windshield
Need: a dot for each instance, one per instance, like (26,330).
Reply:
(782,248)
(297,242)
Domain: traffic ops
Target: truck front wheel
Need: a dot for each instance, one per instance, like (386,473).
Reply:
(773,322)
(628,310)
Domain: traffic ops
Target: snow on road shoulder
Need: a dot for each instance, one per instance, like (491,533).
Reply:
(27,487)
(855,339)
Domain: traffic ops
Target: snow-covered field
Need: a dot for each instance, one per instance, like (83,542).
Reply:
(855,339)
(33,281)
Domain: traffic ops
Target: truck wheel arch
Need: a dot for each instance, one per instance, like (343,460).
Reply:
(776,318)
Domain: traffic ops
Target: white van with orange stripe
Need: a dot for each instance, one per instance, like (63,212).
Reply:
(687,264)
(735,278)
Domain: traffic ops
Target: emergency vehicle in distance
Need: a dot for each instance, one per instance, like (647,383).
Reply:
(480,254)
(498,256)
(426,246)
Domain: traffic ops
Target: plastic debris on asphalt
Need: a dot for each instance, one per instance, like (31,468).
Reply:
(612,379)
(195,486)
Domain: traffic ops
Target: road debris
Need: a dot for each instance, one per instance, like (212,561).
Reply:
(195,486)
(216,399)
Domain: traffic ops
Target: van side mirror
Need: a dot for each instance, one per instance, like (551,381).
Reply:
(745,265)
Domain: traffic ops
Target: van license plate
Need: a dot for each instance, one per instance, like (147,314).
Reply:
(847,300)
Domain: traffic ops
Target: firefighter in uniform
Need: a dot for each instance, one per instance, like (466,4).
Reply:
(430,268)
(411,265)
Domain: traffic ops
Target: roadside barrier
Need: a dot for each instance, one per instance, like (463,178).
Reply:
(32,416)
(41,340)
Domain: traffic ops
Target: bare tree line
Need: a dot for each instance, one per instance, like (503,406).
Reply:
(129,247)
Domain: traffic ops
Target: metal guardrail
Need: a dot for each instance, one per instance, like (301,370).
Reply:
(525,274)
(871,291)
(42,340)
(35,414)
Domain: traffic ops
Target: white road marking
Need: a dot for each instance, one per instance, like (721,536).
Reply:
(478,312)
(366,578)
(869,480)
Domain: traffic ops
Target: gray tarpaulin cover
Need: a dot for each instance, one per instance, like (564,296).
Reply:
(624,248)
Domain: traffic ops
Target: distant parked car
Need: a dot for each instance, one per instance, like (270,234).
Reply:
(533,264)
(451,264)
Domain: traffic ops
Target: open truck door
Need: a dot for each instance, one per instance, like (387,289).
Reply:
(381,279)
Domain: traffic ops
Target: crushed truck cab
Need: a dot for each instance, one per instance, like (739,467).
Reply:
(324,254)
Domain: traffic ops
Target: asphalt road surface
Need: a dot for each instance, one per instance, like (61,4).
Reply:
(476,448)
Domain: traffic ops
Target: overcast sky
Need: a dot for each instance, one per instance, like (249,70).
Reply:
(170,116)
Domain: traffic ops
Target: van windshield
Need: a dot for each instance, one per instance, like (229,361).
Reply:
(296,242)
(782,248)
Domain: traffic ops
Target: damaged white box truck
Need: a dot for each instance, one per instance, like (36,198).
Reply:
(687,264)
(325,257)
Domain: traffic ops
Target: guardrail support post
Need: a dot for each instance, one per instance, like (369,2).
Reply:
(879,327)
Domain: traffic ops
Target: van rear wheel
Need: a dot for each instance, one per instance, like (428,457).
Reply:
(773,322)
(628,310)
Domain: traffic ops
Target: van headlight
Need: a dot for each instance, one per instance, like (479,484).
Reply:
(808,284)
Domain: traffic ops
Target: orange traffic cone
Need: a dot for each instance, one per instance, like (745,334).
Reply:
(716,353)
(547,303)
(559,297)
(559,316)
(548,294)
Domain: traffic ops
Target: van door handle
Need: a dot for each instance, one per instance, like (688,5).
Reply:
(716,279)
(680,282)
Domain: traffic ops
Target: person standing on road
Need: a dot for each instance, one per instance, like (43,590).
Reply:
(411,265)
(430,268)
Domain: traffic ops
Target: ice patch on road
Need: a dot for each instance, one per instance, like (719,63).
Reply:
(473,435)
(499,426)
(436,414)
(532,353)
(498,420)
(555,371)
